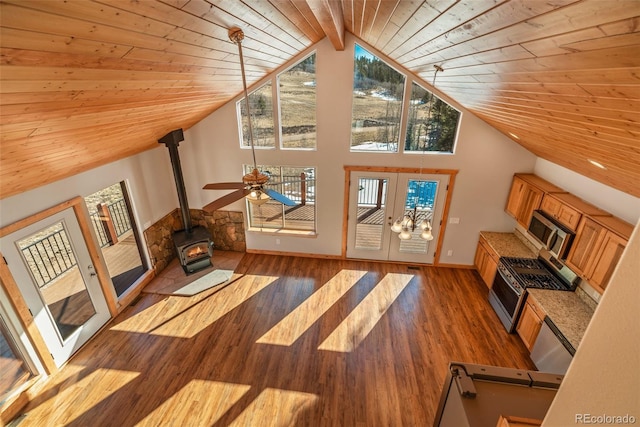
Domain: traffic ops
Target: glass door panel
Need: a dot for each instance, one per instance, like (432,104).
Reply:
(13,370)
(51,265)
(371,196)
(421,197)
(118,236)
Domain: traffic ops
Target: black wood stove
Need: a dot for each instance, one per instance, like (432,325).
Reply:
(194,246)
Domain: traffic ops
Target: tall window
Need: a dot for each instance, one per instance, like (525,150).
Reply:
(297,97)
(299,185)
(436,133)
(377,104)
(261,105)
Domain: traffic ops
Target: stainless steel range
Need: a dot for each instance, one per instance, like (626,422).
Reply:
(515,275)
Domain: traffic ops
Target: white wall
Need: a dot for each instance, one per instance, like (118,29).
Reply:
(603,378)
(485,158)
(622,205)
(148,176)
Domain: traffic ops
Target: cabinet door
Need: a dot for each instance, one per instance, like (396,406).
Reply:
(550,205)
(569,216)
(588,239)
(530,201)
(515,195)
(485,263)
(606,260)
(529,326)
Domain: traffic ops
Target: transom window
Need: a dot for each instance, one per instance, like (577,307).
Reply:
(296,183)
(435,133)
(296,103)
(261,106)
(297,97)
(377,104)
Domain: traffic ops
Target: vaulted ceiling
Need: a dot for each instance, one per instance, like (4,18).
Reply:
(84,83)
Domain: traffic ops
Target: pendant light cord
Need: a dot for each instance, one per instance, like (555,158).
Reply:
(424,147)
(237,35)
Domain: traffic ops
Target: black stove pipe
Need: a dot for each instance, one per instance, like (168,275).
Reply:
(172,140)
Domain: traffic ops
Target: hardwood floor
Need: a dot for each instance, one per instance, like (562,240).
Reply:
(295,341)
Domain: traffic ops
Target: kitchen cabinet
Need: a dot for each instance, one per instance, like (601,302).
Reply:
(568,209)
(597,248)
(526,195)
(530,322)
(565,214)
(486,261)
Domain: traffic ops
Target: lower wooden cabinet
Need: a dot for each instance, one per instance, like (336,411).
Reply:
(486,261)
(530,322)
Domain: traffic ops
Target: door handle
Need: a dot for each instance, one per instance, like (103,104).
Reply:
(92,273)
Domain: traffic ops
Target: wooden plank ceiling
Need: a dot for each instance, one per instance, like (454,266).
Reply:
(84,83)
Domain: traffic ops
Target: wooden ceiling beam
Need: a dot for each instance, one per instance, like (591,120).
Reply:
(331,18)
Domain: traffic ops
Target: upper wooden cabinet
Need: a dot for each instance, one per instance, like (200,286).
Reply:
(568,209)
(597,248)
(526,195)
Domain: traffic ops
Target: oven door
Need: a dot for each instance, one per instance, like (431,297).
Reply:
(506,301)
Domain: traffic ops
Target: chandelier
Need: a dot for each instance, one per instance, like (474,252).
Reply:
(413,218)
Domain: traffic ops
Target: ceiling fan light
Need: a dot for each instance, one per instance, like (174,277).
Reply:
(257,197)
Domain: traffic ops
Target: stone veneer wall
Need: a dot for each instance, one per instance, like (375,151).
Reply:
(226,229)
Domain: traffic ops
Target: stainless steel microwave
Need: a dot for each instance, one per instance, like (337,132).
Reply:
(553,236)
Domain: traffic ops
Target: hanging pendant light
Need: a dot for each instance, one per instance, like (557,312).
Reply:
(407,224)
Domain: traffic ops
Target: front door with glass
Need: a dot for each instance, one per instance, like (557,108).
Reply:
(52,267)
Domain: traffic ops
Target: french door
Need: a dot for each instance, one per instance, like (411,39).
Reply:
(52,268)
(377,199)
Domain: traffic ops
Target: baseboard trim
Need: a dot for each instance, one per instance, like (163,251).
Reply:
(340,257)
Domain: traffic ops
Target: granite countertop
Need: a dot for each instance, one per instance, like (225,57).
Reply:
(570,313)
(508,245)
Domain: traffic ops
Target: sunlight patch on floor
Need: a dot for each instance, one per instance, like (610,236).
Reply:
(217,305)
(361,321)
(79,395)
(289,329)
(179,408)
(276,408)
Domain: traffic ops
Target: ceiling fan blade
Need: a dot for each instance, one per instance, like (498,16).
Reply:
(224,186)
(225,200)
(279,197)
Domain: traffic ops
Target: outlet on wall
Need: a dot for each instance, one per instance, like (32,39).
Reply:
(277,241)
(450,252)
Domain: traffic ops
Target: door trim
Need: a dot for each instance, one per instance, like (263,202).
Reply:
(389,169)
(15,296)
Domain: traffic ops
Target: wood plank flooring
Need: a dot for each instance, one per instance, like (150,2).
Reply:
(295,341)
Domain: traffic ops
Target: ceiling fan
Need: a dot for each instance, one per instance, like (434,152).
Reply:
(253,184)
